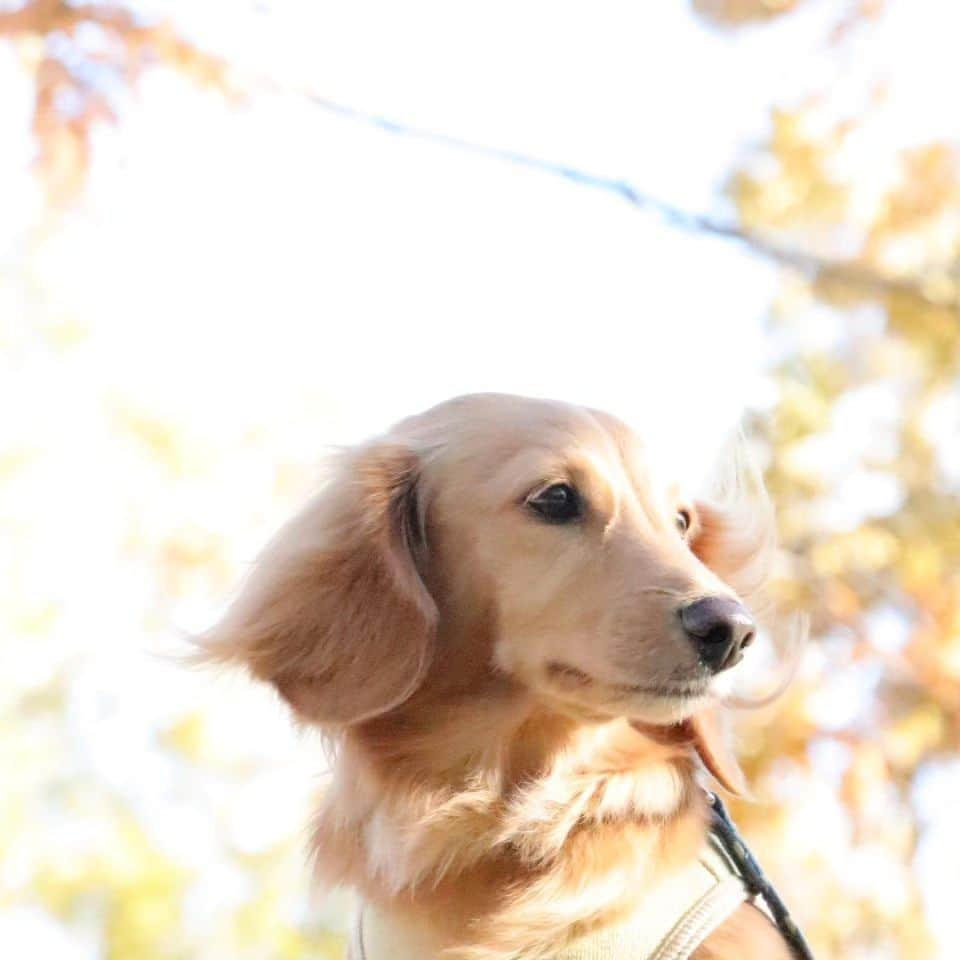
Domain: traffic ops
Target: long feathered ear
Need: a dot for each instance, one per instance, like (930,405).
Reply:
(335,613)
(736,529)
(736,538)
(706,734)
(709,738)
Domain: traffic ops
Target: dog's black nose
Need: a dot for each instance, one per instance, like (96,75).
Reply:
(719,628)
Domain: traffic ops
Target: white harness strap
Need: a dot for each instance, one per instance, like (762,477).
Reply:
(675,918)
(377,936)
(672,922)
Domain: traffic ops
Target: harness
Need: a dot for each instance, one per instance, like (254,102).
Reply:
(675,919)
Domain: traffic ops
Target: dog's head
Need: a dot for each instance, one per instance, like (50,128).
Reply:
(521,539)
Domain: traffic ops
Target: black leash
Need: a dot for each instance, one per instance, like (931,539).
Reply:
(756,881)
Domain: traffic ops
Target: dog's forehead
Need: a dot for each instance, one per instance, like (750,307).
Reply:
(494,428)
(516,440)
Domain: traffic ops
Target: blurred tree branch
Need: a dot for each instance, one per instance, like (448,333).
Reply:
(83,57)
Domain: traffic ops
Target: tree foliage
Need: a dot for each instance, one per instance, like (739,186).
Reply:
(83,58)
(738,13)
(867,412)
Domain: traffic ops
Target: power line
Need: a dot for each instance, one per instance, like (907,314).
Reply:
(939,289)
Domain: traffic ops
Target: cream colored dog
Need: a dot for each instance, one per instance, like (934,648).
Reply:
(510,627)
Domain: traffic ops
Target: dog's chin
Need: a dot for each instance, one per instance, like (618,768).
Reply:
(667,708)
(576,692)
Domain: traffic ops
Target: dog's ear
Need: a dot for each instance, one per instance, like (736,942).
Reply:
(335,613)
(706,734)
(737,545)
(709,738)
(735,533)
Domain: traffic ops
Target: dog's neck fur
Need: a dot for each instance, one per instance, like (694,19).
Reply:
(525,827)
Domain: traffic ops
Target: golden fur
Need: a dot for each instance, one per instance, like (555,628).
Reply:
(515,711)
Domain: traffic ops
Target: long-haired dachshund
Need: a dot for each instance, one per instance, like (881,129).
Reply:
(510,628)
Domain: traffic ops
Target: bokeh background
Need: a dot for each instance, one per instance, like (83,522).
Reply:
(209,274)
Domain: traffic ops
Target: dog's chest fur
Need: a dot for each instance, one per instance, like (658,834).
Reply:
(507,853)
(671,921)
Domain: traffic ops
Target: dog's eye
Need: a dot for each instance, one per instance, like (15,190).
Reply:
(683,521)
(558,503)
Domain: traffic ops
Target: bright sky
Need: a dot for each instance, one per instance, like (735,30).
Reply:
(262,250)
(276,269)
(279,247)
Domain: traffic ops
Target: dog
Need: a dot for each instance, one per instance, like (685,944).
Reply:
(510,627)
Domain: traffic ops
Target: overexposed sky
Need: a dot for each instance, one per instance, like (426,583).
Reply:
(252,252)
